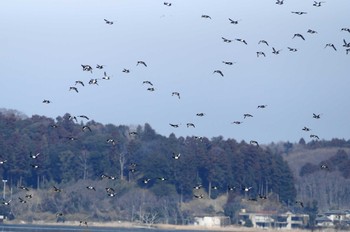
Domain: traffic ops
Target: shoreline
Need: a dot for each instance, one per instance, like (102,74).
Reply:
(130,225)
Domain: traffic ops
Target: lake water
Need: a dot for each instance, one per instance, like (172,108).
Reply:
(38,228)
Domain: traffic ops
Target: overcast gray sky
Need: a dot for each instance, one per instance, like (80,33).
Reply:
(43,44)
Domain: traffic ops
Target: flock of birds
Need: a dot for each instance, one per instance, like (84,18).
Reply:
(104,76)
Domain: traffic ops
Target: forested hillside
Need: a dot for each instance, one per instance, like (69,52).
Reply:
(39,152)
(321,171)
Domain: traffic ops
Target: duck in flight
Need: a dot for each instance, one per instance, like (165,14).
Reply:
(175,94)
(98,66)
(279,2)
(264,42)
(242,40)
(314,136)
(299,35)
(247,115)
(46,101)
(233,21)
(167,3)
(141,62)
(200,114)
(317,4)
(299,12)
(34,156)
(80,83)
(147,82)
(237,122)
(276,52)
(260,54)
(219,72)
(228,62)
(331,45)
(226,40)
(174,125)
(86,67)
(206,16)
(190,125)
(292,49)
(306,129)
(316,116)
(311,31)
(108,22)
(73,88)
(253,142)
(176,156)
(262,106)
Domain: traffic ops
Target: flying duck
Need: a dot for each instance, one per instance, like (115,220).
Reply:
(174,125)
(175,94)
(3,161)
(73,88)
(253,142)
(199,196)
(86,67)
(260,53)
(79,82)
(242,40)
(316,116)
(247,115)
(300,203)
(276,52)
(22,200)
(190,125)
(347,45)
(299,12)
(35,166)
(46,101)
(306,129)
(345,29)
(167,3)
(292,49)
(262,106)
(34,156)
(176,156)
(246,189)
(105,76)
(147,82)
(237,122)
(100,66)
(299,35)
(200,114)
(233,21)
(151,89)
(330,45)
(91,188)
(279,2)
(85,128)
(93,82)
(263,41)
(57,190)
(112,141)
(197,186)
(314,136)
(108,22)
(311,31)
(23,188)
(126,70)
(228,62)
(317,4)
(219,72)
(206,16)
(141,62)
(226,40)
(83,116)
